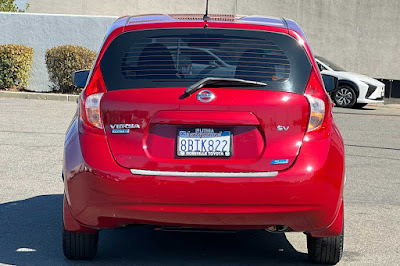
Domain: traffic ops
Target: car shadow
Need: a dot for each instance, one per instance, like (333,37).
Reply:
(367,108)
(362,108)
(30,234)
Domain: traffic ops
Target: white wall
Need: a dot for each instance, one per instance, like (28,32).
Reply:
(42,32)
(361,35)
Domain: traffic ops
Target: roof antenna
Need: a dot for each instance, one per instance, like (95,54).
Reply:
(206,17)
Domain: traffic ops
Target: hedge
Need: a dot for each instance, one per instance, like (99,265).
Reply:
(15,66)
(62,61)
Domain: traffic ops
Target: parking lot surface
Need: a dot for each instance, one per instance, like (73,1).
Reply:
(31,146)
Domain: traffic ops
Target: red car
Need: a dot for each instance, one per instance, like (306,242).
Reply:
(217,123)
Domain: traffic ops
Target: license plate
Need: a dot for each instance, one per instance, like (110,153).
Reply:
(206,142)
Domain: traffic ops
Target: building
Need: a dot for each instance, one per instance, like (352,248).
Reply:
(361,35)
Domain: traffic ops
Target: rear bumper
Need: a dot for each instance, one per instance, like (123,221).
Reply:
(306,197)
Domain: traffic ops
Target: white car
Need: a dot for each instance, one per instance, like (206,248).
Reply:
(200,62)
(355,90)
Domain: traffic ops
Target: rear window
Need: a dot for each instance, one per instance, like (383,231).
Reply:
(165,58)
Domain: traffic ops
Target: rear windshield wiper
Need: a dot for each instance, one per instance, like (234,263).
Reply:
(221,82)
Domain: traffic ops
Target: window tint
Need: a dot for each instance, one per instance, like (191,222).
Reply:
(198,56)
(181,57)
(330,64)
(321,67)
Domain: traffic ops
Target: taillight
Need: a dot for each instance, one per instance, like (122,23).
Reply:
(320,108)
(90,102)
(92,109)
(317,113)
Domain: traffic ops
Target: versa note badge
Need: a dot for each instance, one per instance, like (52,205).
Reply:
(205,96)
(282,128)
(123,128)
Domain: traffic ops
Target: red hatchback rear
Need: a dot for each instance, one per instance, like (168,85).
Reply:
(221,124)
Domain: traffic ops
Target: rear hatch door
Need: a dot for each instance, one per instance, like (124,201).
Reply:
(256,129)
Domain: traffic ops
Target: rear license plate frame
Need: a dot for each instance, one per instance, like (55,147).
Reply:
(204,130)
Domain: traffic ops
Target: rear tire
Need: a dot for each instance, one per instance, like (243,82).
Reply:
(359,105)
(325,250)
(345,97)
(79,246)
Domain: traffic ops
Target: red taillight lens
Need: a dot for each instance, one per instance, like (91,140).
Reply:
(320,108)
(90,102)
(96,83)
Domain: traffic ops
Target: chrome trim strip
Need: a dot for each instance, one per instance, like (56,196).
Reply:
(204,174)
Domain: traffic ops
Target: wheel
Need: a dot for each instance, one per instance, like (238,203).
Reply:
(79,246)
(359,105)
(345,96)
(325,250)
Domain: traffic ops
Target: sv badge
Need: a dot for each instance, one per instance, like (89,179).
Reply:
(282,128)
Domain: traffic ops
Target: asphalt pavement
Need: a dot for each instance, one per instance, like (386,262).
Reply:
(31,145)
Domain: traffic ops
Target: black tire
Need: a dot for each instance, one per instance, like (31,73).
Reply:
(80,246)
(359,105)
(325,250)
(345,96)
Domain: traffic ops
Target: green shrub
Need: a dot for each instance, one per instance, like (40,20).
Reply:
(10,6)
(62,61)
(15,66)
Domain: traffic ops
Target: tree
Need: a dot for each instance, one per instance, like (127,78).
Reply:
(10,6)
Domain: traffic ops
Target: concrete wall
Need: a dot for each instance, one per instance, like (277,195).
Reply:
(123,7)
(42,32)
(361,35)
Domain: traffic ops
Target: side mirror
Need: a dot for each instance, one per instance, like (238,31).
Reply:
(213,63)
(80,77)
(330,82)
